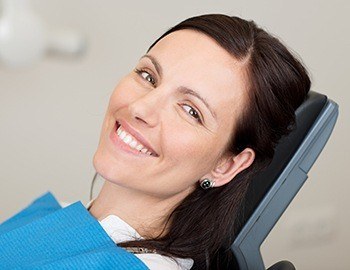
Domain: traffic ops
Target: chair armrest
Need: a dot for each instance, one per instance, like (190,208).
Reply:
(282,265)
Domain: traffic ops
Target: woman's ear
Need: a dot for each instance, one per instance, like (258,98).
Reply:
(229,166)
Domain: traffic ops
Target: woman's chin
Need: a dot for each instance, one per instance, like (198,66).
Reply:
(102,165)
(108,167)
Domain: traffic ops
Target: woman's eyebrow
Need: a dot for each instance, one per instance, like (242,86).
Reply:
(181,89)
(155,63)
(187,91)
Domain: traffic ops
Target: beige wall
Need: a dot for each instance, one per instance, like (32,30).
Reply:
(51,113)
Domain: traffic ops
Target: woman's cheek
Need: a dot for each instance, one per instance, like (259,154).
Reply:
(123,93)
(120,97)
(188,145)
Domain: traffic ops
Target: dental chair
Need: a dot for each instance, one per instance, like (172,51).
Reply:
(271,191)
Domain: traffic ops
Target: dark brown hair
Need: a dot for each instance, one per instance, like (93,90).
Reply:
(203,225)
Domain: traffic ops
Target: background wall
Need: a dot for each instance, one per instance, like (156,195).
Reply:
(51,113)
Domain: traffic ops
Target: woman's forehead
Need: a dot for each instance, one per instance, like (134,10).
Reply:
(193,59)
(183,46)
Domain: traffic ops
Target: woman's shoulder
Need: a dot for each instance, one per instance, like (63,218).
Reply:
(120,231)
(157,261)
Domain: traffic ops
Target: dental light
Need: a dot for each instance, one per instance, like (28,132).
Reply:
(25,38)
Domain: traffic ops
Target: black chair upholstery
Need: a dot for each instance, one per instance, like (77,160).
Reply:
(271,191)
(305,117)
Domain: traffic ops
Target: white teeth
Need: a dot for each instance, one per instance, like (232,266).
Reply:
(139,147)
(122,135)
(128,139)
(133,144)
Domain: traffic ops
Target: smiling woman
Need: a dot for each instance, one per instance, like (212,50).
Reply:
(186,130)
(184,133)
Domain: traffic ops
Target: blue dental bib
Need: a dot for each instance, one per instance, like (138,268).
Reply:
(46,236)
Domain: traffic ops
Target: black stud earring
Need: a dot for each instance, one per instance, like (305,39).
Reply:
(206,183)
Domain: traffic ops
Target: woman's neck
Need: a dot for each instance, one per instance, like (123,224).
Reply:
(146,214)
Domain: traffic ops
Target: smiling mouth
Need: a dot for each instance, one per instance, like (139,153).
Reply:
(131,142)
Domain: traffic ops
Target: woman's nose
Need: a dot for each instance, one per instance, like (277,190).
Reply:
(147,108)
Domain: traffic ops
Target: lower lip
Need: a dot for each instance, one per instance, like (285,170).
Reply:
(123,146)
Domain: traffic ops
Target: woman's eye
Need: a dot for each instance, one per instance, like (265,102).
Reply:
(146,75)
(194,113)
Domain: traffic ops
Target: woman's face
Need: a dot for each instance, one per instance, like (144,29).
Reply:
(159,100)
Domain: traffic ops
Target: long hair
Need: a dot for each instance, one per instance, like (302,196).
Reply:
(202,226)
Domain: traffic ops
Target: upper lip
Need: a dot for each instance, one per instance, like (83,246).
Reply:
(137,135)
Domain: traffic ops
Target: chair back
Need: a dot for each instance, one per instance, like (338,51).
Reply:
(271,191)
